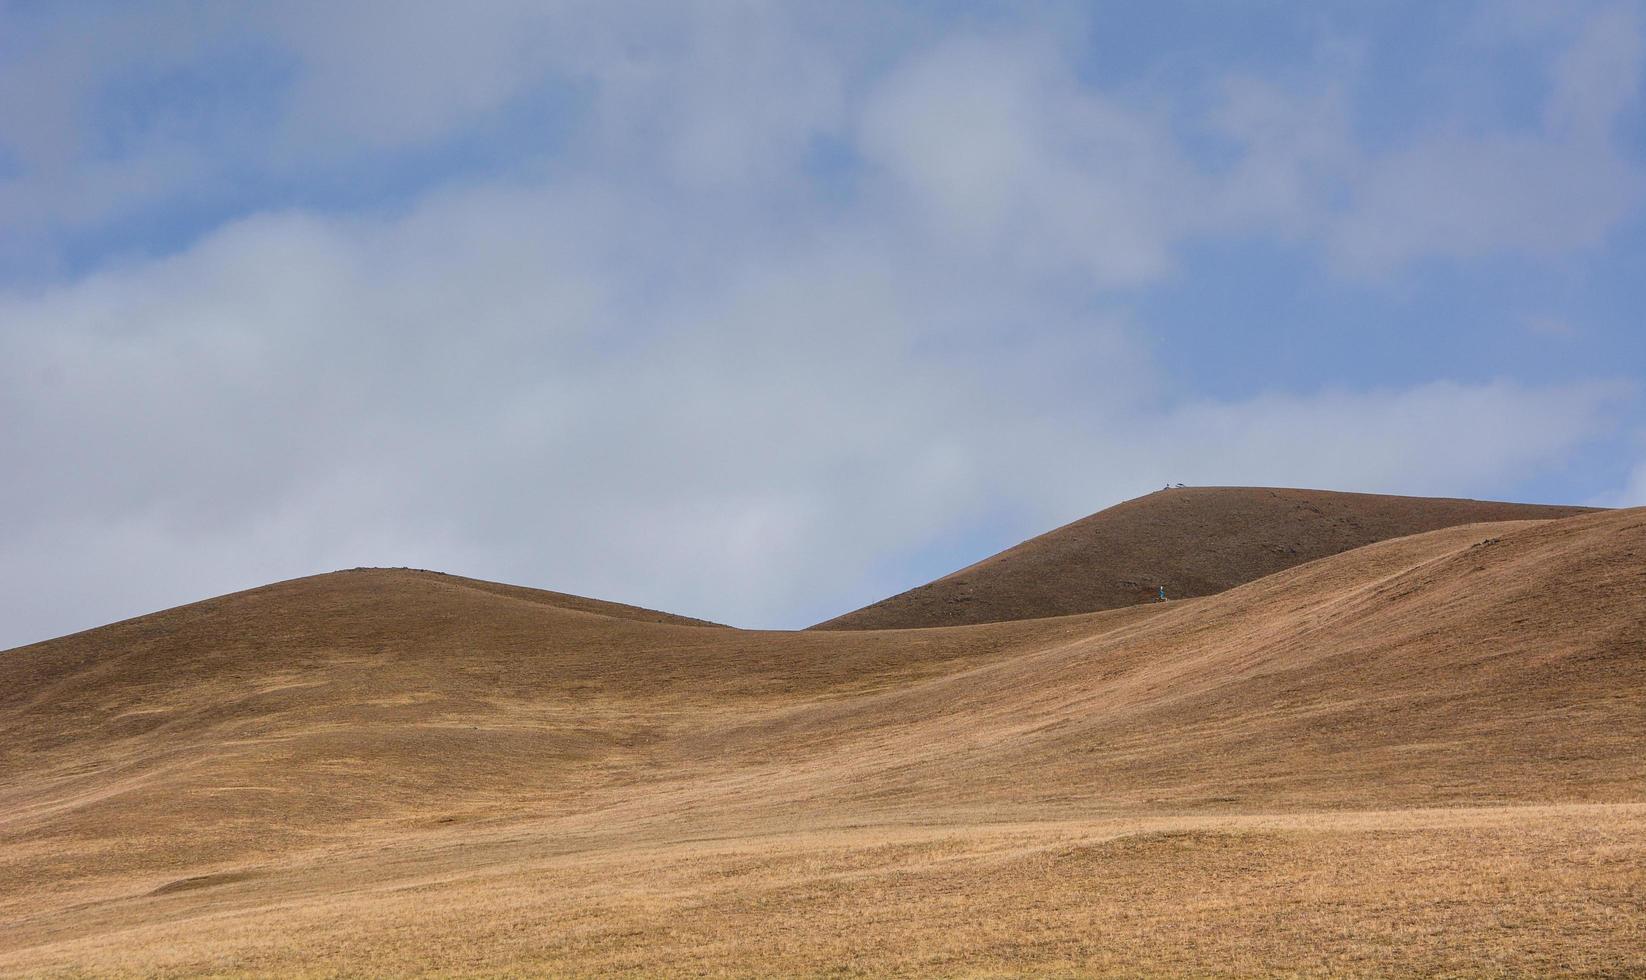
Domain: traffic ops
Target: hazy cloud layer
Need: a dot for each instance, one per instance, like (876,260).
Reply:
(740,312)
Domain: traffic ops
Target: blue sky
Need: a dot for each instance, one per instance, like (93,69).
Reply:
(760,312)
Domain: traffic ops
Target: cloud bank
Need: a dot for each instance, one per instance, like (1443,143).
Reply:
(737,312)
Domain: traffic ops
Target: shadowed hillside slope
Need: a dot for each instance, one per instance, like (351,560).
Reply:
(1195,541)
(386,771)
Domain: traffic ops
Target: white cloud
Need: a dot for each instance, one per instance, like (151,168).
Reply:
(997,138)
(508,383)
(1436,438)
(1562,188)
(1012,159)
(665,367)
(1296,153)
(1598,75)
(1454,188)
(1010,155)
(428,68)
(1461,197)
(1634,490)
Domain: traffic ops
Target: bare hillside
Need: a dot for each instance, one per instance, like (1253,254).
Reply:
(1424,755)
(1194,541)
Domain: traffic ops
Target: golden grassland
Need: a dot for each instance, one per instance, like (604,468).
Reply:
(1518,890)
(1422,756)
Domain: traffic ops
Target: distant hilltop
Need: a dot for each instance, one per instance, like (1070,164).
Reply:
(1193,541)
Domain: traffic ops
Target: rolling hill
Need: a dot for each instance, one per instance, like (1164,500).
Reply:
(1195,541)
(1425,754)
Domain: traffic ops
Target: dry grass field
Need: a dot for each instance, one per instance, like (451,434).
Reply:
(1425,755)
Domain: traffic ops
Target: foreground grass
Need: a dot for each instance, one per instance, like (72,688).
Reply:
(1476,892)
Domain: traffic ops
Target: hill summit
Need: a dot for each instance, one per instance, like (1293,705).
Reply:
(1194,541)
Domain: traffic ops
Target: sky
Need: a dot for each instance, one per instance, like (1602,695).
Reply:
(759,312)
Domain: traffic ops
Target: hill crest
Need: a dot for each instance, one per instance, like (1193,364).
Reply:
(1194,541)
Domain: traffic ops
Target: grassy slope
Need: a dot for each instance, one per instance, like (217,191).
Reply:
(1195,541)
(1426,754)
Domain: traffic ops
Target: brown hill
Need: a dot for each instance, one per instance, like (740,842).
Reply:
(1194,541)
(1425,755)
